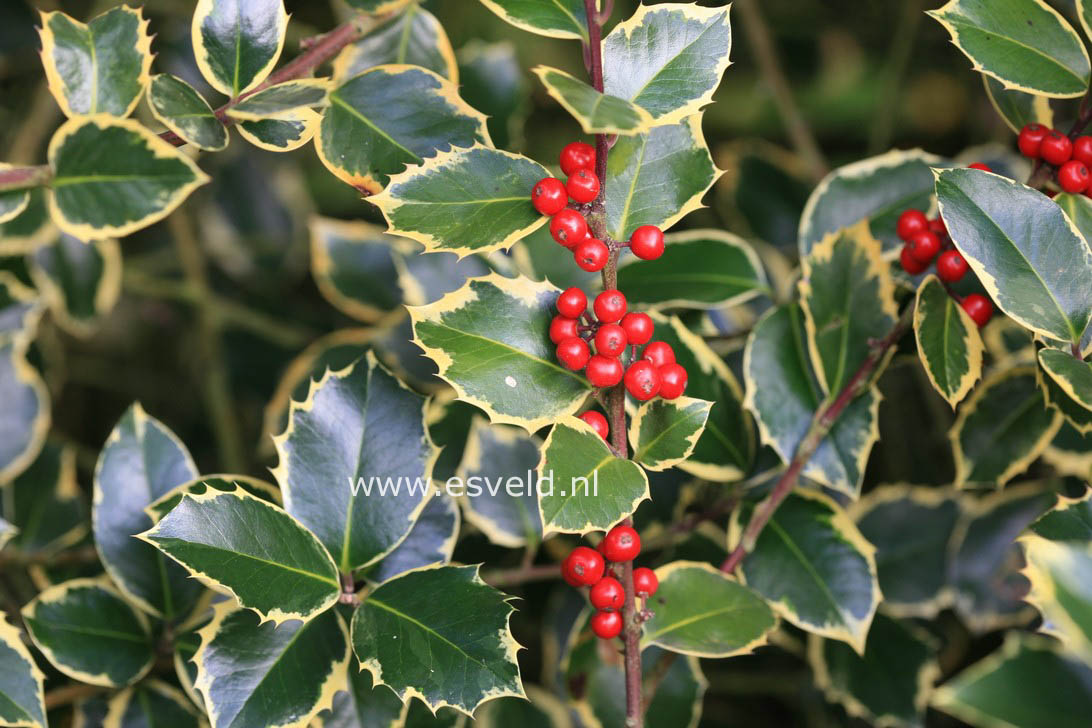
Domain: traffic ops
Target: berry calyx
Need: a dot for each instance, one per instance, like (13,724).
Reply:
(911,222)
(645,582)
(563,327)
(549,196)
(924,246)
(610,340)
(572,302)
(573,353)
(979,308)
(569,228)
(577,156)
(584,566)
(610,306)
(621,544)
(607,594)
(606,625)
(1056,148)
(598,423)
(1030,140)
(642,380)
(909,263)
(672,381)
(647,242)
(951,267)
(591,255)
(583,186)
(659,353)
(604,371)
(639,328)
(1082,150)
(1073,177)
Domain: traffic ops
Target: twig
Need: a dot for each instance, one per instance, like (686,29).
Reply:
(522,575)
(72,693)
(82,555)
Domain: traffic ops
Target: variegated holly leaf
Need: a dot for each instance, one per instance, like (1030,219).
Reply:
(813,567)
(25,415)
(22,698)
(1061,589)
(672,159)
(556,19)
(430,541)
(704,612)
(582,486)
(280,99)
(237,43)
(1001,429)
(877,189)
(491,79)
(151,703)
(354,268)
(1070,452)
(949,345)
(698,269)
(1024,44)
(88,632)
(664,433)
(20,309)
(45,504)
(141,461)
(361,704)
(784,393)
(1018,108)
(414,37)
(597,112)
(356,462)
(541,709)
(291,130)
(12,203)
(30,228)
(1073,412)
(97,68)
(179,107)
(80,281)
(1072,375)
(252,673)
(1069,520)
(388,117)
(1036,274)
(211,484)
(112,177)
(490,340)
(251,549)
(464,201)
(413,642)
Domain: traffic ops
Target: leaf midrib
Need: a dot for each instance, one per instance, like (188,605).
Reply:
(220,549)
(338,101)
(795,550)
(501,344)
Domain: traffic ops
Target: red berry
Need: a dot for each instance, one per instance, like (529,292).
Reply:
(909,263)
(572,302)
(659,353)
(569,228)
(606,625)
(591,255)
(604,371)
(979,165)
(583,185)
(577,156)
(911,222)
(645,581)
(621,544)
(638,328)
(598,423)
(563,327)
(951,266)
(647,242)
(642,380)
(979,308)
(1082,150)
(610,340)
(924,246)
(1056,149)
(608,594)
(610,306)
(672,381)
(1073,177)
(1031,137)
(573,352)
(549,196)
(936,226)
(584,565)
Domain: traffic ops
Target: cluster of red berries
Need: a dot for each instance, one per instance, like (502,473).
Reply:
(587,567)
(612,330)
(1071,158)
(927,240)
(569,228)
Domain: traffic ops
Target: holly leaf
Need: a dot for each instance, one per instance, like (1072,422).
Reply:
(464,201)
(704,612)
(23,698)
(112,177)
(430,541)
(88,632)
(150,703)
(541,709)
(290,131)
(45,504)
(664,433)
(597,112)
(12,203)
(361,704)
(556,19)
(1018,108)
(1024,44)
(353,266)
(80,281)
(1072,375)
(212,484)
(282,98)
(1059,574)
(97,68)
(30,228)
(949,345)
(414,37)
(25,415)
(1073,412)
(236,44)
(1069,520)
(413,642)
(178,106)
(491,79)
(378,7)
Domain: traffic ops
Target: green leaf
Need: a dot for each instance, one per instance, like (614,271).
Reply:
(251,549)
(26,411)
(414,37)
(1070,452)
(813,567)
(12,204)
(494,454)
(490,340)
(1072,375)
(1024,44)
(151,703)
(98,68)
(699,269)
(378,7)
(141,461)
(430,541)
(353,266)
(1073,412)
(1036,274)
(80,281)
(674,161)
(360,704)
(1017,108)
(90,633)
(597,113)
(30,228)
(44,502)
(491,79)
(1060,589)
(283,98)
(22,699)
(178,106)
(1025,683)
(1069,520)
(702,611)
(416,644)
(253,673)
(112,177)
(906,662)
(668,59)
(1001,429)
(213,484)
(877,189)
(556,18)
(848,298)
(185,647)
(7,532)
(783,393)
(582,486)
(391,116)
(949,345)
(464,201)
(359,429)
(20,309)
(238,42)
(541,709)
(290,131)
(664,433)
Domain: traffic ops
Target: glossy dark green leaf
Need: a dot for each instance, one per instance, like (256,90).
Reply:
(100,67)
(949,345)
(414,37)
(418,645)
(237,42)
(597,113)
(353,265)
(80,281)
(491,80)
(1073,412)
(430,541)
(541,709)
(282,98)
(1069,520)
(556,18)
(26,411)
(1070,452)
(664,433)
(213,483)
(1018,108)
(179,107)
(12,203)
(29,229)
(1072,375)
(290,131)
(427,278)
(22,699)
(1061,589)
(360,704)
(45,504)
(150,704)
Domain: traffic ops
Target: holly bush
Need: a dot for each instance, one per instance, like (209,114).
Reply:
(818,458)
